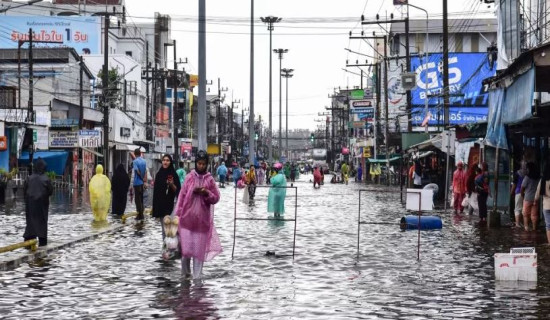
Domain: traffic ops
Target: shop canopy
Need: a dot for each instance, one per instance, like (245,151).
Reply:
(55,160)
(384,160)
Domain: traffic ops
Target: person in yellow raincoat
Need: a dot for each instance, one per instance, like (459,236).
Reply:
(100,194)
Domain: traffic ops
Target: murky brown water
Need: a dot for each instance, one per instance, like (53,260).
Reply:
(121,276)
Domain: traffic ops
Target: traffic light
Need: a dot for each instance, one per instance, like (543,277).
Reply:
(312,137)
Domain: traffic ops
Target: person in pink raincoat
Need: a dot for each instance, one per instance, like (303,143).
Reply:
(459,186)
(195,208)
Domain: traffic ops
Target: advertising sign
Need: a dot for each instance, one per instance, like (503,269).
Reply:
(63,139)
(457,115)
(89,138)
(466,73)
(81,33)
(361,103)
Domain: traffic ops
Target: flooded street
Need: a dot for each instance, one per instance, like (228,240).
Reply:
(121,275)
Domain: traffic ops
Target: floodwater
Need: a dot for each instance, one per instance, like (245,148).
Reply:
(121,275)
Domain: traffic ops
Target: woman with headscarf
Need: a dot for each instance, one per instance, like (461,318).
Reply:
(277,192)
(195,208)
(167,186)
(120,185)
(100,194)
(251,182)
(459,187)
(37,190)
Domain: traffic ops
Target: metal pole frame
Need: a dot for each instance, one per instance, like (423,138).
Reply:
(359,222)
(235,218)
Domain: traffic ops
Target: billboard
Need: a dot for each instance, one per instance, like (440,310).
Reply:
(81,33)
(466,73)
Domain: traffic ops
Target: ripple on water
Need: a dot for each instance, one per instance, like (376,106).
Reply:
(120,275)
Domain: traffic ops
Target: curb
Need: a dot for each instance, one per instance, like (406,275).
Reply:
(14,262)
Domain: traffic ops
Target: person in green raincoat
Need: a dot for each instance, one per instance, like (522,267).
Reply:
(277,192)
(181,174)
(100,194)
(287,170)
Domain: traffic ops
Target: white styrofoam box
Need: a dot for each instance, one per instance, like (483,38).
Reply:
(415,195)
(518,265)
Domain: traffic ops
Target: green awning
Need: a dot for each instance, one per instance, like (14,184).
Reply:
(383,160)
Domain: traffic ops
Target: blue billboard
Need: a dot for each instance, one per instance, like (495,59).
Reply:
(81,33)
(457,115)
(466,73)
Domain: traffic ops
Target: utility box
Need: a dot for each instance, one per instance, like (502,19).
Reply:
(518,265)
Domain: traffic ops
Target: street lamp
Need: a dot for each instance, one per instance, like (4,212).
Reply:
(280,52)
(426,61)
(270,20)
(287,73)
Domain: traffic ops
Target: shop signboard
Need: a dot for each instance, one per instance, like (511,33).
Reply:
(81,33)
(63,139)
(457,115)
(89,138)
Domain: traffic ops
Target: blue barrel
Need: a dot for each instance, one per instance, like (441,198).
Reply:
(426,222)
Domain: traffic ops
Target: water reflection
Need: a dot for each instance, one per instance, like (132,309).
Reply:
(326,280)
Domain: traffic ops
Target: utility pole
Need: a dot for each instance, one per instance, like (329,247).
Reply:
(287,73)
(270,20)
(280,52)
(81,118)
(386,97)
(219,135)
(148,115)
(202,76)
(445,66)
(175,127)
(30,111)
(105,87)
(251,116)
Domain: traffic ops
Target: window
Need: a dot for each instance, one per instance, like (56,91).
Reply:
(128,53)
(419,42)
(7,97)
(458,43)
(475,42)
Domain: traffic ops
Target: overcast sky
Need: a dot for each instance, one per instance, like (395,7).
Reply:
(315,33)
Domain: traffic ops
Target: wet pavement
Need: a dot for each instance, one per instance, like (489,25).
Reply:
(121,275)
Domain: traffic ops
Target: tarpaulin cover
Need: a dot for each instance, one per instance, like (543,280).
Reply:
(55,160)
(510,105)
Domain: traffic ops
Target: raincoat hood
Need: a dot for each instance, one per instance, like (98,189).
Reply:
(99,169)
(40,166)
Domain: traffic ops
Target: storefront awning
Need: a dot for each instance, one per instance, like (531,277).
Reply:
(55,160)
(384,160)
(127,147)
(92,151)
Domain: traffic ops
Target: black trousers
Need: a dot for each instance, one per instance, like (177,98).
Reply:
(138,196)
(482,203)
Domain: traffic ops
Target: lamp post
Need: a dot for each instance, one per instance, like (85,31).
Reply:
(280,52)
(287,73)
(426,61)
(270,20)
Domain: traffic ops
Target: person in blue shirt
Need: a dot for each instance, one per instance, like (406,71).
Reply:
(222,174)
(236,174)
(140,182)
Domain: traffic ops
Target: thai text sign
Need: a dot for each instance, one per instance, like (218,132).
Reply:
(457,115)
(81,33)
(63,139)
(89,138)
